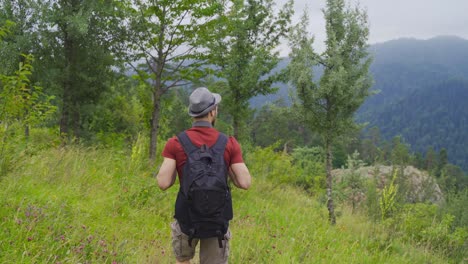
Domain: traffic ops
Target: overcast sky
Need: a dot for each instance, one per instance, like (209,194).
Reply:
(392,19)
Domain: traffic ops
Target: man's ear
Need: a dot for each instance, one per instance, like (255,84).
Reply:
(213,112)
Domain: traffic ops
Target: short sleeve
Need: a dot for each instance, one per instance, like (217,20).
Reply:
(169,150)
(235,151)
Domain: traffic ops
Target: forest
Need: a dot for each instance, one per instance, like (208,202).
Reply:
(90,91)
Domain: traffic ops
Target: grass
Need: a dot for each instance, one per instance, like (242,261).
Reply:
(88,205)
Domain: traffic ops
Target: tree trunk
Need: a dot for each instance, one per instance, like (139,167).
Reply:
(235,124)
(76,119)
(330,206)
(27,97)
(69,117)
(67,83)
(157,69)
(155,116)
(66,103)
(64,129)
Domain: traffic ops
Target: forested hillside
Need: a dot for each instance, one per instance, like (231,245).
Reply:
(418,95)
(405,65)
(436,116)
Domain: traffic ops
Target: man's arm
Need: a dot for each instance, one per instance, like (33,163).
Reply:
(167,174)
(240,175)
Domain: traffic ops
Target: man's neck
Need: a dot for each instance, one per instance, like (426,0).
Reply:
(201,123)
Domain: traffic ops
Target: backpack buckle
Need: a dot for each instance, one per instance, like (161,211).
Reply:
(190,236)
(220,238)
(204,148)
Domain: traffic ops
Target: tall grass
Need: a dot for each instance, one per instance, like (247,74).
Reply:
(91,205)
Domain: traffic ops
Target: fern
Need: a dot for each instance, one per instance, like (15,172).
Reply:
(388,198)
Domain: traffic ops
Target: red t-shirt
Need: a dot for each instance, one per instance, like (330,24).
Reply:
(199,136)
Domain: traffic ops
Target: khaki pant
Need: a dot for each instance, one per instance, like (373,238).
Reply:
(210,252)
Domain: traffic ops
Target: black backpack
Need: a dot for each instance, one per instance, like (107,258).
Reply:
(204,205)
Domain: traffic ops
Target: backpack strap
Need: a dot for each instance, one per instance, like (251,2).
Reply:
(188,146)
(221,143)
(186,143)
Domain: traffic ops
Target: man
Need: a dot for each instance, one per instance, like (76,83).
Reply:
(203,109)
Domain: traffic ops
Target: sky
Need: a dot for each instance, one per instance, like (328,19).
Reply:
(393,19)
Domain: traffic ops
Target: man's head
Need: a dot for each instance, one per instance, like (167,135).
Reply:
(203,104)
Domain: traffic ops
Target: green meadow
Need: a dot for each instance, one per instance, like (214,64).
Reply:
(79,204)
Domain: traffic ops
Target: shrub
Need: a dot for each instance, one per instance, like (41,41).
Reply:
(419,223)
(265,163)
(353,183)
(23,105)
(311,169)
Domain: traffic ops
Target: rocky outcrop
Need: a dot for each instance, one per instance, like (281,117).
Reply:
(414,184)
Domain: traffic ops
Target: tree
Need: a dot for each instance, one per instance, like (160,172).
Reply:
(271,126)
(430,159)
(275,123)
(453,178)
(441,162)
(243,50)
(22,38)
(20,102)
(400,152)
(354,181)
(370,146)
(76,51)
(311,174)
(418,160)
(329,105)
(369,151)
(163,39)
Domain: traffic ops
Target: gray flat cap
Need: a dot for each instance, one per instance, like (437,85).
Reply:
(202,101)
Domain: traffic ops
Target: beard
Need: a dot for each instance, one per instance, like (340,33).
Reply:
(213,122)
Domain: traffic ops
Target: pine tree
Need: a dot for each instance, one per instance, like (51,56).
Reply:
(330,104)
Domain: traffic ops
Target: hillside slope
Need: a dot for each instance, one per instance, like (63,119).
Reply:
(87,205)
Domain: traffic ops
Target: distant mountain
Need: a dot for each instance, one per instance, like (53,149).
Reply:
(449,51)
(405,65)
(435,116)
(422,95)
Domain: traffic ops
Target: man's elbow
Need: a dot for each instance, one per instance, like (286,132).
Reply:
(245,184)
(163,185)
(241,175)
